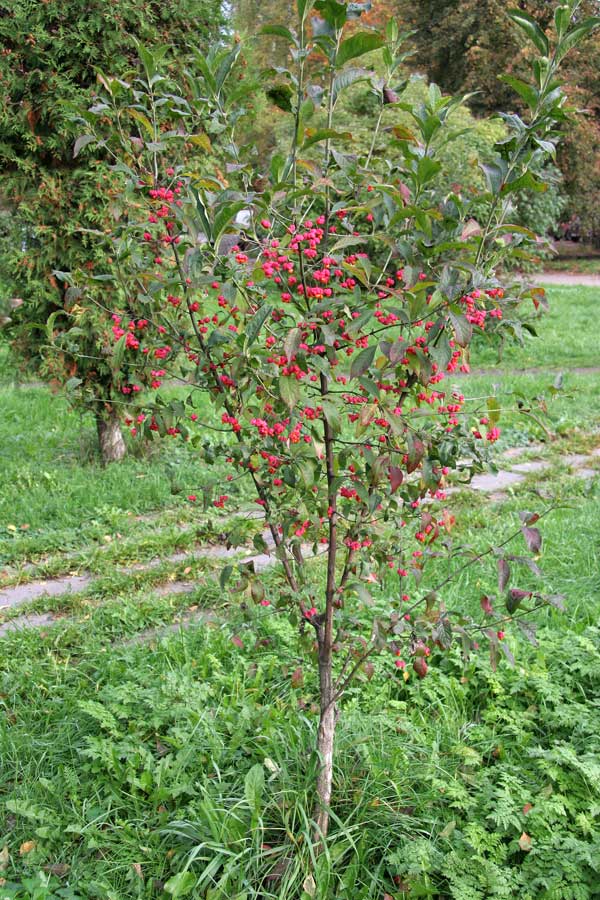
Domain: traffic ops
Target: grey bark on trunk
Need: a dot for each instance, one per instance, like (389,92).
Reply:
(325,745)
(110,438)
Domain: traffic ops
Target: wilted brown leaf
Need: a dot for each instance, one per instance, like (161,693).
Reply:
(525,842)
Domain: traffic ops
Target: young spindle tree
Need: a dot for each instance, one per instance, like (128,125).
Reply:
(322,339)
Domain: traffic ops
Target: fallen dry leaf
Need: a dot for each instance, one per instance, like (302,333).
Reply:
(137,868)
(525,842)
(58,869)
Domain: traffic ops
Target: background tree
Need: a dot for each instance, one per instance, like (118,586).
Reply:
(463,45)
(62,203)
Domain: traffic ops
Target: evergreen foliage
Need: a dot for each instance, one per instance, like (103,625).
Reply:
(61,198)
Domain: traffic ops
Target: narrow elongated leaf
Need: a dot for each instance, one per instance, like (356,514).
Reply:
(81,142)
(396,476)
(362,361)
(514,599)
(503,574)
(577,34)
(254,785)
(463,330)
(292,342)
(281,96)
(557,600)
(494,175)
(332,415)
(289,389)
(528,629)
(225,217)
(304,7)
(531,28)
(323,134)
(533,538)
(486,605)
(526,91)
(256,323)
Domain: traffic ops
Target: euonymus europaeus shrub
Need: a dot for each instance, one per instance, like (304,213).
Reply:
(319,305)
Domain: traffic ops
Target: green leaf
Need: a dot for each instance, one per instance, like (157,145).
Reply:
(562,18)
(362,361)
(279,31)
(226,65)
(225,217)
(576,35)
(201,140)
(526,91)
(181,884)
(441,351)
(304,7)
(139,116)
(531,28)
(427,168)
(256,323)
(324,134)
(72,384)
(289,390)
(81,142)
(202,210)
(526,181)
(493,410)
(357,45)
(254,785)
(346,78)
(332,415)
(333,13)
(463,330)
(292,342)
(225,576)
(118,354)
(495,173)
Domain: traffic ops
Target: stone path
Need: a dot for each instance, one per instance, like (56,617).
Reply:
(12,597)
(495,484)
(568,279)
(492,484)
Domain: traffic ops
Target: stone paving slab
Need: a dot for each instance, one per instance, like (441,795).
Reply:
(56,587)
(490,482)
(23,622)
(191,618)
(516,452)
(575,460)
(530,465)
(584,472)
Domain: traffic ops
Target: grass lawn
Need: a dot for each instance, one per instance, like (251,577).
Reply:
(138,760)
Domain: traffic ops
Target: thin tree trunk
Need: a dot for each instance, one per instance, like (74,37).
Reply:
(329,712)
(325,745)
(110,437)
